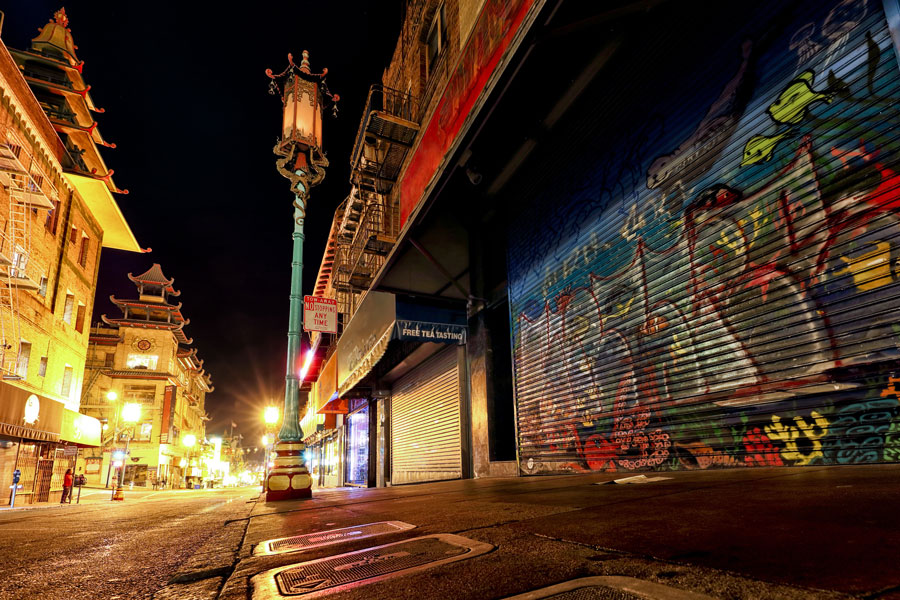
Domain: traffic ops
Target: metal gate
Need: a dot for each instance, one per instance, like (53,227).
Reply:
(712,279)
(425,422)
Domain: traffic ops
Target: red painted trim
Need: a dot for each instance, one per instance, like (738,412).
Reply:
(497,24)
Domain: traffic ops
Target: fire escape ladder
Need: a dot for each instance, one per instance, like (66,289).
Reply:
(28,190)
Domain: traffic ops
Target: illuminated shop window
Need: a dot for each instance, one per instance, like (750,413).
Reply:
(142,361)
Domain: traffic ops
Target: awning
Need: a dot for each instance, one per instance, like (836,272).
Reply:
(384,317)
(30,416)
(116,232)
(80,429)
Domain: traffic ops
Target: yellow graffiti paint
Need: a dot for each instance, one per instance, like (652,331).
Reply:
(789,435)
(794,101)
(872,269)
(760,148)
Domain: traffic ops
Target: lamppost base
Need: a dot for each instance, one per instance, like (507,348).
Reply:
(119,493)
(290,479)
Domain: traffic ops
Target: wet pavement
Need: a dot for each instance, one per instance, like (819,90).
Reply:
(111,550)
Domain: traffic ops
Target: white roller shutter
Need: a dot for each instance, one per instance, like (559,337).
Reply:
(425,427)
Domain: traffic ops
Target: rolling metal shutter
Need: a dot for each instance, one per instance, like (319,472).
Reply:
(425,426)
(714,279)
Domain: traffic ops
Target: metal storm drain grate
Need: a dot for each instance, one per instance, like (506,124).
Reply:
(610,588)
(327,538)
(327,575)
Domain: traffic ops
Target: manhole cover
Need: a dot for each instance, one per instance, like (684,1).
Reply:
(327,575)
(327,538)
(610,588)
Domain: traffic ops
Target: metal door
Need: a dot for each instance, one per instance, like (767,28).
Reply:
(425,422)
(711,277)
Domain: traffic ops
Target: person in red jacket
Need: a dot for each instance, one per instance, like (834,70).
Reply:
(67,486)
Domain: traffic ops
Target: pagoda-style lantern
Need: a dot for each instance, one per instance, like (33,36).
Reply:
(303,163)
(302,107)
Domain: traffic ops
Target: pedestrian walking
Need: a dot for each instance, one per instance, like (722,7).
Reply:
(67,487)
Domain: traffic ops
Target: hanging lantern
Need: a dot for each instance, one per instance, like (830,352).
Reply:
(302,107)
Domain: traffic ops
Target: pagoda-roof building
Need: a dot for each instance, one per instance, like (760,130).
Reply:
(151,310)
(54,74)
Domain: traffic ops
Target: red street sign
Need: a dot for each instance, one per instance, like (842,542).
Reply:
(319,314)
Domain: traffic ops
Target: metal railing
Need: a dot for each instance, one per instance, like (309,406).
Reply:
(384,100)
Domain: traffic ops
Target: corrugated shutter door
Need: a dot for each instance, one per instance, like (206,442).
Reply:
(715,279)
(425,428)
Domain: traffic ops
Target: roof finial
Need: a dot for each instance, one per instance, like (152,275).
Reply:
(304,64)
(60,17)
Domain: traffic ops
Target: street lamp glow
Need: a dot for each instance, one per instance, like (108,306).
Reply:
(189,440)
(111,396)
(131,412)
(265,440)
(271,415)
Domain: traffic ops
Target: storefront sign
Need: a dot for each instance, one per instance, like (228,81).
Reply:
(319,314)
(494,31)
(80,429)
(27,415)
(168,415)
(429,332)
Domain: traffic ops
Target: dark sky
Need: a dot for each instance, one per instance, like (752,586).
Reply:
(185,93)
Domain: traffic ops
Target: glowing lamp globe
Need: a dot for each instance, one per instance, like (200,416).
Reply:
(302,119)
(131,413)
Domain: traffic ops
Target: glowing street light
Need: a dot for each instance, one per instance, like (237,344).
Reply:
(303,162)
(189,440)
(112,396)
(271,415)
(131,414)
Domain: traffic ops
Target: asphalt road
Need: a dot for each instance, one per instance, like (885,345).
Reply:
(111,550)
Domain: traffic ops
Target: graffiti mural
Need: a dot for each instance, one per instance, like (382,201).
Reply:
(738,304)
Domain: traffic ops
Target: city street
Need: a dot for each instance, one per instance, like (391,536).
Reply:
(103,549)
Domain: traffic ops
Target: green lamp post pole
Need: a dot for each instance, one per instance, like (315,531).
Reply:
(303,163)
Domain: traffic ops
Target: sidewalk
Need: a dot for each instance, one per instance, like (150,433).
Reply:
(89,495)
(826,532)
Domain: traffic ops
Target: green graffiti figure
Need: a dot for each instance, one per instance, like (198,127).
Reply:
(760,148)
(793,103)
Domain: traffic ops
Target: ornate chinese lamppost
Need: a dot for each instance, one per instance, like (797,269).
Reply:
(303,163)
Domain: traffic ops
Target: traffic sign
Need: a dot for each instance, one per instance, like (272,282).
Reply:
(319,314)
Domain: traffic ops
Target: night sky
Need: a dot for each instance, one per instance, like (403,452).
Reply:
(187,103)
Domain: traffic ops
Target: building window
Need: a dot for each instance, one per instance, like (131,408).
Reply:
(79,318)
(67,308)
(52,218)
(143,433)
(22,360)
(43,289)
(437,38)
(83,252)
(142,361)
(141,394)
(42,368)
(110,359)
(66,388)
(73,235)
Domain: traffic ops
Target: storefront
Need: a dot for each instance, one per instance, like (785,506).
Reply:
(40,438)
(357,431)
(398,369)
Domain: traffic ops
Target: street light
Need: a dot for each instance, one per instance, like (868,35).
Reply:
(188,441)
(270,416)
(131,414)
(112,396)
(303,164)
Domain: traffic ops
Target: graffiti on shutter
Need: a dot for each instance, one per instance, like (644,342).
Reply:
(724,293)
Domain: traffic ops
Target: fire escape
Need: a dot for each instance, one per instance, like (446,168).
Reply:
(370,222)
(28,190)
